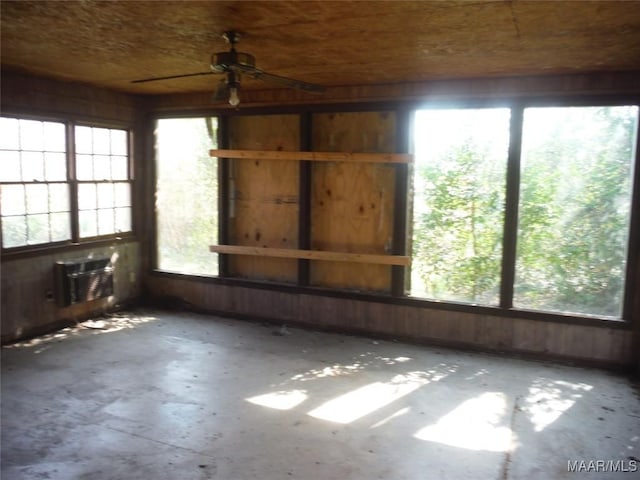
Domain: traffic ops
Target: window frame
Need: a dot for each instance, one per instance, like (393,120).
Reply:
(222,165)
(517,108)
(70,122)
(129,180)
(399,294)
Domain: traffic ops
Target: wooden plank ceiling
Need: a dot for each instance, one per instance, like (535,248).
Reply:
(110,44)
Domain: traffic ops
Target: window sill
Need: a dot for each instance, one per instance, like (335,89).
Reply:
(50,249)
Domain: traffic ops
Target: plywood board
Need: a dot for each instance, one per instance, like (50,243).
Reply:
(264,195)
(352,204)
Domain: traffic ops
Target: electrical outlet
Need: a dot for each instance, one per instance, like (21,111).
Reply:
(132,277)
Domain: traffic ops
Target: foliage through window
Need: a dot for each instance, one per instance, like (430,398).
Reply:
(574,212)
(573,209)
(186,195)
(458,205)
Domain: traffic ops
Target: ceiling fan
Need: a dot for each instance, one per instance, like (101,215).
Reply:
(235,64)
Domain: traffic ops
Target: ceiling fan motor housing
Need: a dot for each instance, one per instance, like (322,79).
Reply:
(223,61)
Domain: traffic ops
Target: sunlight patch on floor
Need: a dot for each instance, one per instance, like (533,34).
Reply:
(480,423)
(365,400)
(280,400)
(107,324)
(548,400)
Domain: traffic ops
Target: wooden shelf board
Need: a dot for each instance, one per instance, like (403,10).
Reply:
(314,156)
(312,254)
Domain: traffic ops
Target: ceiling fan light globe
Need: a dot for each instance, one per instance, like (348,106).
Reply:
(234,99)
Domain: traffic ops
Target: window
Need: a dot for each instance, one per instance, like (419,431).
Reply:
(574,184)
(37,184)
(574,209)
(186,195)
(102,172)
(33,182)
(458,207)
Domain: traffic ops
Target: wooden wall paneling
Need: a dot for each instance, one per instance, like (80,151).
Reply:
(352,204)
(264,196)
(529,336)
(493,331)
(24,92)
(26,308)
(590,344)
(354,316)
(556,338)
(437,90)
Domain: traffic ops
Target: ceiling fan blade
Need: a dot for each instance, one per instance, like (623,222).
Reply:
(270,77)
(154,79)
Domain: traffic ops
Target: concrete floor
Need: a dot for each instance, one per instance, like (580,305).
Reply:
(163,395)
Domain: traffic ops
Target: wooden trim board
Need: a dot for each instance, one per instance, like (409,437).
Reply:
(312,254)
(314,156)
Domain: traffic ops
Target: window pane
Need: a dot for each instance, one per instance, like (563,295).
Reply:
(122,194)
(32,166)
(31,135)
(106,221)
(84,167)
(106,159)
(186,195)
(87,196)
(105,195)
(88,220)
(14,231)
(55,166)
(10,138)
(459,186)
(119,168)
(84,140)
(119,142)
(101,167)
(123,219)
(34,155)
(574,209)
(101,141)
(37,198)
(58,197)
(37,229)
(60,226)
(54,137)
(13,200)
(9,166)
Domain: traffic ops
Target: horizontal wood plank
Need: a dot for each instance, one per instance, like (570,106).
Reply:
(314,156)
(312,254)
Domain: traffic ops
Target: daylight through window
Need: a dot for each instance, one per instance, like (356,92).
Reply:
(573,207)
(458,204)
(104,189)
(186,195)
(574,212)
(33,183)
(37,184)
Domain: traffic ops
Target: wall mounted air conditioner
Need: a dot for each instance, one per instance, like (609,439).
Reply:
(83,280)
